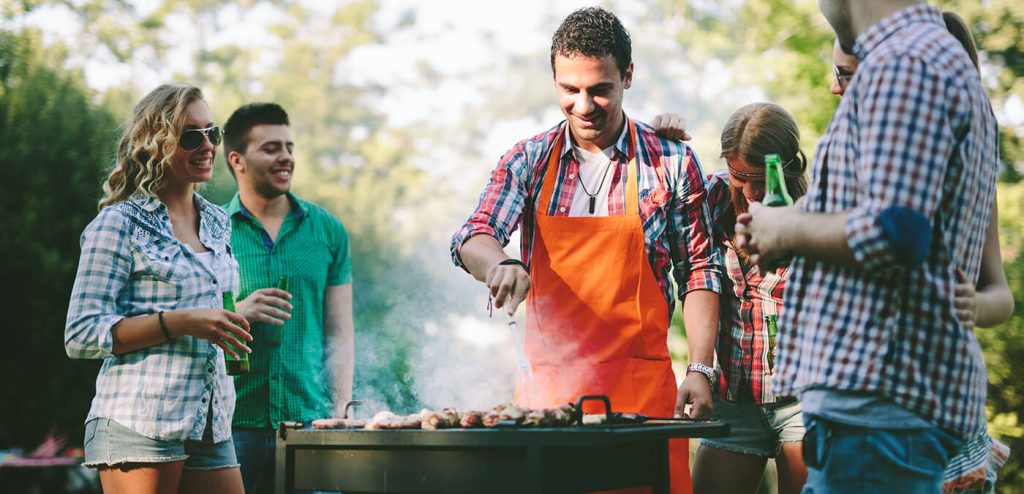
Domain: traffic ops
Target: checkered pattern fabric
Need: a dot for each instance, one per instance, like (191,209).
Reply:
(132,265)
(916,134)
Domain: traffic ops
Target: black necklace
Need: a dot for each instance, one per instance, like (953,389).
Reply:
(593,197)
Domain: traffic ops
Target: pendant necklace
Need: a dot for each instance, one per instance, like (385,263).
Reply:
(593,197)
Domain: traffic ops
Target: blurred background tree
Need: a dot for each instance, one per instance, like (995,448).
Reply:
(399,112)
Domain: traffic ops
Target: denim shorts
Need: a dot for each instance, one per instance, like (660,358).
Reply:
(846,459)
(758,430)
(108,443)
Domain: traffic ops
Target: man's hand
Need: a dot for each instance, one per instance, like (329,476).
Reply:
(509,284)
(695,391)
(671,126)
(760,233)
(266,305)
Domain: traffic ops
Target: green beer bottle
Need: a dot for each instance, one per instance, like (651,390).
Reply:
(276,332)
(773,330)
(240,365)
(775,193)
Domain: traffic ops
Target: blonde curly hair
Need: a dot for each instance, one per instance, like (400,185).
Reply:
(148,143)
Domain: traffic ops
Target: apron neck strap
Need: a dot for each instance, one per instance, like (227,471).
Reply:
(555,159)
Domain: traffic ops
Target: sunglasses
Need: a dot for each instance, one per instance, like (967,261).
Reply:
(842,76)
(191,139)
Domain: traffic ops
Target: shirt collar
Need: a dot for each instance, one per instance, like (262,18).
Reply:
(152,204)
(875,35)
(145,201)
(298,209)
(621,145)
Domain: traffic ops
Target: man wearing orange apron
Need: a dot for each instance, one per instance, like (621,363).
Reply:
(609,212)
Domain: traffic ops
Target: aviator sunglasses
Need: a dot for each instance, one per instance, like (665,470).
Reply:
(191,139)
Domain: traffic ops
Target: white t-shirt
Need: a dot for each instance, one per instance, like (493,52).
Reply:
(596,171)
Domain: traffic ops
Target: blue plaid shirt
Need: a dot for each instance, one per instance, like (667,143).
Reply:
(132,265)
(913,138)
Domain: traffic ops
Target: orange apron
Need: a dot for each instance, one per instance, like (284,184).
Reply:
(596,320)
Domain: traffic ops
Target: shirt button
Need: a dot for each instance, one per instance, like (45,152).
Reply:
(572,176)
(209,369)
(561,210)
(214,281)
(204,400)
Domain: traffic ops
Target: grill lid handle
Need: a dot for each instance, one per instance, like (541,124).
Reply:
(602,399)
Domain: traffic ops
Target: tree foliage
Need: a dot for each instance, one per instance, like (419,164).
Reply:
(54,145)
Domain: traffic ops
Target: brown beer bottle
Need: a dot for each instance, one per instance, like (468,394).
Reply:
(240,365)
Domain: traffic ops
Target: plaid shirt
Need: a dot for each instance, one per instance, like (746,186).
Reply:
(914,131)
(673,210)
(742,349)
(132,265)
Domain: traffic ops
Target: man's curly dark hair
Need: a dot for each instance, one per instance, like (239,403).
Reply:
(592,32)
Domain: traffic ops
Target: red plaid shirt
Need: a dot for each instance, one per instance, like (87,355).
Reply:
(749,297)
(673,210)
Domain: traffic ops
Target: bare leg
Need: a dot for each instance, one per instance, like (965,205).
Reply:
(142,478)
(220,481)
(717,471)
(792,470)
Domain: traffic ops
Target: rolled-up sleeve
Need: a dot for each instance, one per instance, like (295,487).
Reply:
(696,263)
(906,138)
(501,204)
(103,270)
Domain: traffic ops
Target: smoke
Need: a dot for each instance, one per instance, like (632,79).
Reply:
(465,362)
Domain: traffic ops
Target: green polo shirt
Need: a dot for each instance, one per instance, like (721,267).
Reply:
(286,380)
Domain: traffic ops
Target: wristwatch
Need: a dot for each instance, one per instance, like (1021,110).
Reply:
(703,369)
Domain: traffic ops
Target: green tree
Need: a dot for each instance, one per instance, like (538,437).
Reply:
(54,146)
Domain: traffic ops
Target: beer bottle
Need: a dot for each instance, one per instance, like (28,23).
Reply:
(276,332)
(775,193)
(773,330)
(240,365)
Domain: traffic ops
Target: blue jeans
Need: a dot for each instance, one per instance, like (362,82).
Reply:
(255,451)
(849,459)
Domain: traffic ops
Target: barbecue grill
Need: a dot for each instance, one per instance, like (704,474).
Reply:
(579,458)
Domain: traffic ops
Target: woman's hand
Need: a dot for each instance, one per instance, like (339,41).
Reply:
(964,296)
(217,325)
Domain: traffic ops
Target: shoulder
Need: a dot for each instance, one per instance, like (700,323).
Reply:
(215,216)
(922,50)
(322,219)
(538,145)
(117,217)
(718,184)
(654,146)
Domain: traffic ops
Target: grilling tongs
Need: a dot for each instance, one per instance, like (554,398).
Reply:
(524,361)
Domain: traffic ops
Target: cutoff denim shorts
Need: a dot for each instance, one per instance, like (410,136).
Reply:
(758,430)
(108,444)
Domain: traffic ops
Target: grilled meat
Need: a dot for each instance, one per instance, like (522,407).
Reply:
(471,420)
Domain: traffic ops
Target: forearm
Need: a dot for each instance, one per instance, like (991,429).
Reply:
(818,236)
(994,305)
(993,301)
(135,333)
(344,371)
(480,253)
(700,316)
(339,333)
